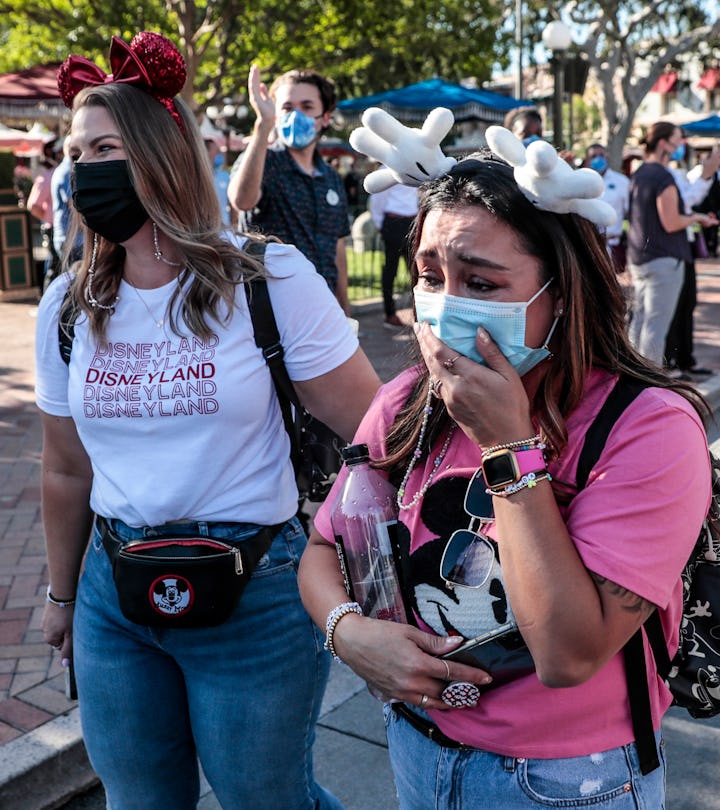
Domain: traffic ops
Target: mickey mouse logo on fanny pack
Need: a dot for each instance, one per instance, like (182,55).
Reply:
(171,595)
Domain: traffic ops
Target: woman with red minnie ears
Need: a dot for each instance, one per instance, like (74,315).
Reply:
(165,423)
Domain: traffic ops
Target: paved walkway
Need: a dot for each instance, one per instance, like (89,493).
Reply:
(41,754)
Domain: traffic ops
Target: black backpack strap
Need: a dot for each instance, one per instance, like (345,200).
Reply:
(267,338)
(639,697)
(625,392)
(69,312)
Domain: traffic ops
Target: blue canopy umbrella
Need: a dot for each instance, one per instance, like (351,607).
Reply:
(412,103)
(705,126)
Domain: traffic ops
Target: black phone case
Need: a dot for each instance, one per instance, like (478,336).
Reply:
(501,653)
(70,685)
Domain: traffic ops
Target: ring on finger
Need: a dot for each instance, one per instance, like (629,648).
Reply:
(450,362)
(423,701)
(447,670)
(460,695)
(435,386)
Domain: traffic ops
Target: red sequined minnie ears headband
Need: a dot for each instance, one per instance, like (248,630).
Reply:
(150,62)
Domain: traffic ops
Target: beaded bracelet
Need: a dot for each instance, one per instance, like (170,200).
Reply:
(331,623)
(527,481)
(58,602)
(522,444)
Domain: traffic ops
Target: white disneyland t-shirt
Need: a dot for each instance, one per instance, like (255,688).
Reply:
(181,427)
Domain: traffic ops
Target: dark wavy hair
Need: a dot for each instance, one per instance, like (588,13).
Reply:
(660,131)
(592,332)
(325,87)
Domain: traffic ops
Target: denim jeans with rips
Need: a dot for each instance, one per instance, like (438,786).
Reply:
(429,777)
(243,697)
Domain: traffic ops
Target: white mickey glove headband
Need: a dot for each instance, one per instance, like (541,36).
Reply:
(548,181)
(413,156)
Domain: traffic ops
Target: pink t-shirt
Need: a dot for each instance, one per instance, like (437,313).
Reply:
(635,523)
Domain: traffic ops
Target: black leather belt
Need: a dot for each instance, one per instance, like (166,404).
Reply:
(428,729)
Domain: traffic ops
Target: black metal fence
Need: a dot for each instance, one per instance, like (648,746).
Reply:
(365,271)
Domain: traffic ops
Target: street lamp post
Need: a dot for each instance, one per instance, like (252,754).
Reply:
(557,38)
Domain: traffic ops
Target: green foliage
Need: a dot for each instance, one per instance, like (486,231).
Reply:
(364,45)
(41,31)
(364,275)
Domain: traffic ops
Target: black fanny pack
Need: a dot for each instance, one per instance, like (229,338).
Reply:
(175,582)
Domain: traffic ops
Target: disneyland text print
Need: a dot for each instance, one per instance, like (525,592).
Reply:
(169,377)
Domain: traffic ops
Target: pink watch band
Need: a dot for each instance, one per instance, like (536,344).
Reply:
(531,460)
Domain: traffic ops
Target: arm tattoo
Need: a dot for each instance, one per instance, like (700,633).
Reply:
(629,601)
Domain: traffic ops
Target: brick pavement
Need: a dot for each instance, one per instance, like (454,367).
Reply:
(31,678)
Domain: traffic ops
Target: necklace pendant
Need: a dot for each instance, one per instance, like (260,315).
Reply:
(160,323)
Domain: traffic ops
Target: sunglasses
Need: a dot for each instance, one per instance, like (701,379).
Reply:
(468,558)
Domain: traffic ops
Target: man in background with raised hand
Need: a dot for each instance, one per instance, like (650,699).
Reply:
(282,183)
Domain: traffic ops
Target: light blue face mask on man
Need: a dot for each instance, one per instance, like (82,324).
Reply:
(296,130)
(455,320)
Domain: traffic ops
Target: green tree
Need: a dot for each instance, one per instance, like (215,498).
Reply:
(364,46)
(628,45)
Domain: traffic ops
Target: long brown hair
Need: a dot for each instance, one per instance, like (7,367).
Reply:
(591,333)
(172,177)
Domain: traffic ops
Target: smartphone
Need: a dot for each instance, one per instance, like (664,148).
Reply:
(70,685)
(501,652)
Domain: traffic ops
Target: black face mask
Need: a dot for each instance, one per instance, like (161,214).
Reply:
(105,198)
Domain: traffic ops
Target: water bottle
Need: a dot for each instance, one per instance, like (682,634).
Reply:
(364,522)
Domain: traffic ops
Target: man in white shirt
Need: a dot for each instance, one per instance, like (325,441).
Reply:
(617,194)
(393,212)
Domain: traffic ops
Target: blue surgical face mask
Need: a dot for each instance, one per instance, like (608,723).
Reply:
(296,130)
(598,164)
(678,153)
(527,141)
(455,321)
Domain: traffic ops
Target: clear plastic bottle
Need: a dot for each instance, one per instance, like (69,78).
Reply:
(364,521)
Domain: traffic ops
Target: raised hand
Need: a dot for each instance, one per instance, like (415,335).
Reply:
(259,97)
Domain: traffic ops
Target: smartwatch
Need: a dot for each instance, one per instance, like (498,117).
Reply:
(505,467)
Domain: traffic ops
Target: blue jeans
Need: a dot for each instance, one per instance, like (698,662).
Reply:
(242,697)
(429,777)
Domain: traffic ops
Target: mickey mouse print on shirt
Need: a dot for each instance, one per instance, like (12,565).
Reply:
(431,602)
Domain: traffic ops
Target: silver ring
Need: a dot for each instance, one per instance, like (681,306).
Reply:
(447,670)
(460,695)
(435,386)
(450,362)
(423,701)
